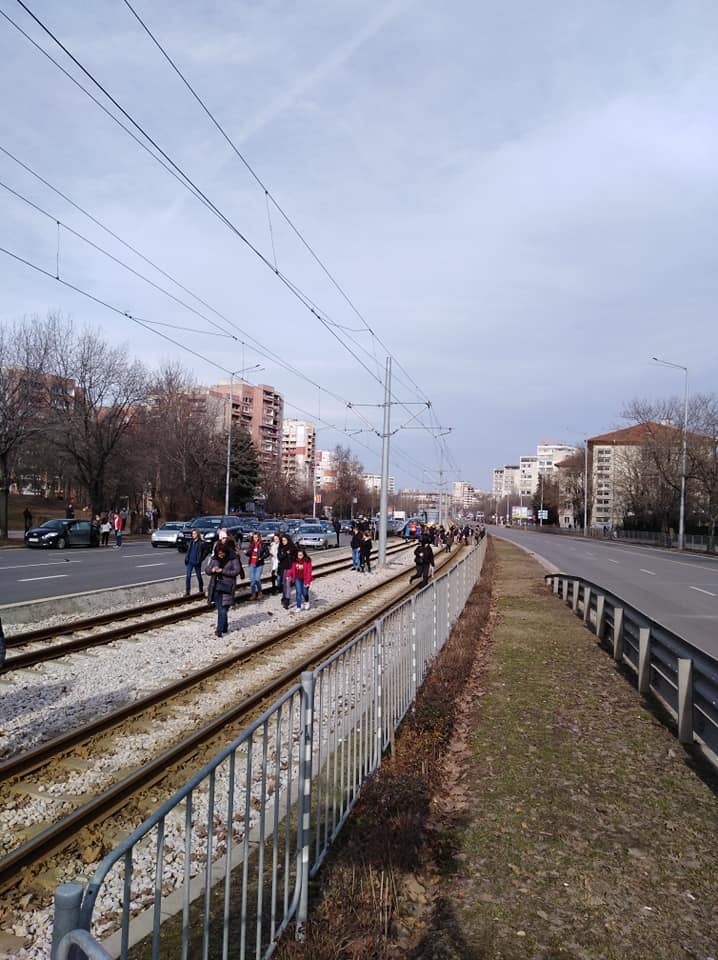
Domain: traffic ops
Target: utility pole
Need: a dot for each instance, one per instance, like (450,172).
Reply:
(384,498)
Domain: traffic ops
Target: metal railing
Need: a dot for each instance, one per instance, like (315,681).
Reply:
(223,867)
(681,677)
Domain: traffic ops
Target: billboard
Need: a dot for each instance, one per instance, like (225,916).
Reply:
(520,513)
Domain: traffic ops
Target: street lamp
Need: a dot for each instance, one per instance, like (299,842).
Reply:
(257,366)
(682,515)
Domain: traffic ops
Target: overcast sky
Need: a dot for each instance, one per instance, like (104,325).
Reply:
(519,200)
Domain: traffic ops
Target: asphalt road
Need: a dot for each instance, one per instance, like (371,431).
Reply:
(31,574)
(678,590)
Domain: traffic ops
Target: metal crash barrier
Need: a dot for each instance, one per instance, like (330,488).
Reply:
(681,677)
(223,867)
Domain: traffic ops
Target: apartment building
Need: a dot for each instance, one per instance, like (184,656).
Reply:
(326,470)
(257,408)
(528,476)
(299,438)
(372,482)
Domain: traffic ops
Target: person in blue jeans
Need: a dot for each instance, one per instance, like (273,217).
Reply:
(257,553)
(196,552)
(301,575)
(356,543)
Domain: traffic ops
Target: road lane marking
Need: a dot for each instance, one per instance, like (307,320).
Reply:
(649,572)
(700,590)
(24,566)
(55,576)
(141,566)
(612,561)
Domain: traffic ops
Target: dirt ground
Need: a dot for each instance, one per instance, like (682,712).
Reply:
(536,808)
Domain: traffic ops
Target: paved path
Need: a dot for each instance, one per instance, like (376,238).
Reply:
(679,590)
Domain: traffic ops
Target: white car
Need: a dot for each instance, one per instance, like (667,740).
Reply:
(166,535)
(311,535)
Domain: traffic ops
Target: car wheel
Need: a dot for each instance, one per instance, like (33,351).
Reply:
(154,545)
(61,543)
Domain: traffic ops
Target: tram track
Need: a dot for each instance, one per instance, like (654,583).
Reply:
(59,834)
(173,610)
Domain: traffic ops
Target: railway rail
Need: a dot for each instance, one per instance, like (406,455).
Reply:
(350,616)
(141,618)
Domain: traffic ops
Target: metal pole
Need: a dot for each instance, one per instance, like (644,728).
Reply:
(314,486)
(585,488)
(541,511)
(385,465)
(229,447)
(682,515)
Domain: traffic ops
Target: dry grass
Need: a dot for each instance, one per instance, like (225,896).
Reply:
(535,808)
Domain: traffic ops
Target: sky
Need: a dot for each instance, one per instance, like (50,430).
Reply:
(516,203)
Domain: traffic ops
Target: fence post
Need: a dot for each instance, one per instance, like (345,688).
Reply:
(378,693)
(304,800)
(574,596)
(586,604)
(644,659)
(600,615)
(618,633)
(414,679)
(68,897)
(564,585)
(685,700)
(556,584)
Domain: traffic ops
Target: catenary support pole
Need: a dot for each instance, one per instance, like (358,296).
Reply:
(384,500)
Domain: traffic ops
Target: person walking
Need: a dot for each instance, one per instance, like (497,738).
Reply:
(424,560)
(274,556)
(223,569)
(257,552)
(27,517)
(300,574)
(69,512)
(365,552)
(356,543)
(337,529)
(286,555)
(196,552)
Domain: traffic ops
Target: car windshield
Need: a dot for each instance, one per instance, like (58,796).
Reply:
(172,525)
(206,523)
(311,530)
(269,525)
(53,525)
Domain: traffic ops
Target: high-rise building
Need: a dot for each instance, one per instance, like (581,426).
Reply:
(372,481)
(258,409)
(326,470)
(299,439)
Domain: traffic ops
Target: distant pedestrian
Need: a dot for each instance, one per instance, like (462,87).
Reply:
(105,530)
(223,568)
(118,524)
(356,543)
(337,529)
(424,560)
(69,512)
(286,555)
(365,552)
(196,552)
(257,552)
(27,517)
(300,574)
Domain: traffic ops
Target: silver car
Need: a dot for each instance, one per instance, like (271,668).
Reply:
(166,535)
(311,535)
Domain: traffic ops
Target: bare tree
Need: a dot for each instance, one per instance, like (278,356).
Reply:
(23,360)
(349,481)
(101,394)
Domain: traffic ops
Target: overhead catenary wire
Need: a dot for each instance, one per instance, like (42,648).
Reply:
(189,184)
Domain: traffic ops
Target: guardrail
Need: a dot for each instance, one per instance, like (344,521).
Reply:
(681,677)
(223,867)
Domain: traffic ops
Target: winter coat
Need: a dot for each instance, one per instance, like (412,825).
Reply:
(196,552)
(257,552)
(365,549)
(424,555)
(231,569)
(286,554)
(304,573)
(357,540)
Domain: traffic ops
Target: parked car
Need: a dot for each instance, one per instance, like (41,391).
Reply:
(64,533)
(209,528)
(166,535)
(268,528)
(311,535)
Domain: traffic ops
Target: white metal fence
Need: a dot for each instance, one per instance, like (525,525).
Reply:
(223,867)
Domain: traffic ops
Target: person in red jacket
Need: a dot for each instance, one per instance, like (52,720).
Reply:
(300,574)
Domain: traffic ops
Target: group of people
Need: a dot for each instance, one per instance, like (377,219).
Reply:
(361,544)
(290,566)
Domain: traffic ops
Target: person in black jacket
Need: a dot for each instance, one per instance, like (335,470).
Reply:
(424,559)
(196,552)
(286,554)
(365,551)
(356,543)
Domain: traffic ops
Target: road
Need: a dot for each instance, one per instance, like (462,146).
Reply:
(31,574)
(679,590)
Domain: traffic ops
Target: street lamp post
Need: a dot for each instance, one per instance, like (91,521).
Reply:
(585,488)
(682,512)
